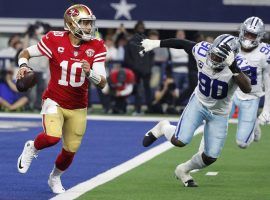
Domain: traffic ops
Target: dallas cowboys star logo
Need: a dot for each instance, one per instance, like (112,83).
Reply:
(123,9)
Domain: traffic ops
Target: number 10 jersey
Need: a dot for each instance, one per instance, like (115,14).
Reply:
(68,85)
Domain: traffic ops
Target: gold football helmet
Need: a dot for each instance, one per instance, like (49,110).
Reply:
(75,16)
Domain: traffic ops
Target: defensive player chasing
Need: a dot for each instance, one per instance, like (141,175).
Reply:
(76,58)
(257,53)
(219,76)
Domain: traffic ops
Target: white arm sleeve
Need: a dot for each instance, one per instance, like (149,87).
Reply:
(33,51)
(99,68)
(127,90)
(266,79)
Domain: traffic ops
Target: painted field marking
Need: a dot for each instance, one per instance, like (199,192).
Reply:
(211,174)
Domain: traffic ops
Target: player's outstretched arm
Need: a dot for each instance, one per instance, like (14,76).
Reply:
(187,45)
(148,45)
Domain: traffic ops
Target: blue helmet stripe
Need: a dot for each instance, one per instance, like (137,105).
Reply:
(257,22)
(228,40)
(224,39)
(252,21)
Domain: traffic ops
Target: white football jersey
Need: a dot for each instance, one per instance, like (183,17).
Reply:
(214,89)
(259,60)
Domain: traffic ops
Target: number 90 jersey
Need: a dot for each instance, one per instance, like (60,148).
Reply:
(259,60)
(68,85)
(214,89)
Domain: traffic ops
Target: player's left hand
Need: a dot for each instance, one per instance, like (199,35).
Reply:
(85,66)
(264,118)
(144,44)
(230,59)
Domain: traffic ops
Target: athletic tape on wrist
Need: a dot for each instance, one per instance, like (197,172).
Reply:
(22,61)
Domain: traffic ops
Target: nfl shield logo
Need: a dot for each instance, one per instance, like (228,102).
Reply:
(76,53)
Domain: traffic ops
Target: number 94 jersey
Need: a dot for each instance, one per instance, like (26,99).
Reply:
(214,89)
(259,60)
(68,85)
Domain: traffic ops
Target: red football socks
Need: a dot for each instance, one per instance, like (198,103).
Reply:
(64,160)
(43,141)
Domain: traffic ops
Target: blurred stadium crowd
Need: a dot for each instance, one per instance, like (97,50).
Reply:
(160,82)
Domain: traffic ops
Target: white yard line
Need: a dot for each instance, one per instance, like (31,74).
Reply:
(111,174)
(211,174)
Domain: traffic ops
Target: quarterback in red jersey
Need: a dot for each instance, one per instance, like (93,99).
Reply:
(76,57)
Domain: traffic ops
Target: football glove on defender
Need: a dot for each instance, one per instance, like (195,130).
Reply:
(264,118)
(145,45)
(230,59)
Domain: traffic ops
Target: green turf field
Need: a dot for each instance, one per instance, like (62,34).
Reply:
(243,175)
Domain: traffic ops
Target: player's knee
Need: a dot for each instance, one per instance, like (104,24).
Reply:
(207,159)
(241,144)
(177,142)
(72,146)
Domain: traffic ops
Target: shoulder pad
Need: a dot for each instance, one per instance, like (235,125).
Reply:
(200,49)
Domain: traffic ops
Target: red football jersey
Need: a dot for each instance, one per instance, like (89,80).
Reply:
(68,85)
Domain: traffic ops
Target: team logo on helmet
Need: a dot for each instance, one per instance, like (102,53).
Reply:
(90,52)
(73,12)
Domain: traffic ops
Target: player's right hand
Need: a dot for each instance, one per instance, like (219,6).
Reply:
(85,66)
(228,53)
(22,71)
(230,59)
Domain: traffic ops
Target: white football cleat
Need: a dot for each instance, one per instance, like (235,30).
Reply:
(151,136)
(184,176)
(55,184)
(25,159)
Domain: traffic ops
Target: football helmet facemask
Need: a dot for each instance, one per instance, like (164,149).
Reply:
(251,32)
(216,55)
(77,19)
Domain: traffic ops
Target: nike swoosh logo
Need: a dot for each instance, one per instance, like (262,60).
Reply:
(20,164)
(147,134)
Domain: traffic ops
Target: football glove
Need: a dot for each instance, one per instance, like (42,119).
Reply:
(230,59)
(145,45)
(149,45)
(264,118)
(229,54)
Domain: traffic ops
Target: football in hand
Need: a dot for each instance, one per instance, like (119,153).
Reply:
(28,81)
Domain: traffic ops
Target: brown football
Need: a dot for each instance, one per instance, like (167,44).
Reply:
(28,81)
